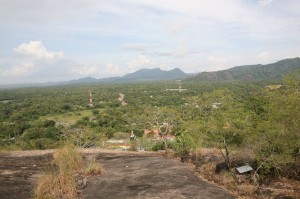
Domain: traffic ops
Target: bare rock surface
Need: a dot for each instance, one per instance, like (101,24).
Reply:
(127,175)
(137,175)
(19,173)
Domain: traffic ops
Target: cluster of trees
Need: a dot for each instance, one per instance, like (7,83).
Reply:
(263,126)
(262,122)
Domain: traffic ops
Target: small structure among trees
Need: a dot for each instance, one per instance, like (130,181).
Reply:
(91,99)
(179,89)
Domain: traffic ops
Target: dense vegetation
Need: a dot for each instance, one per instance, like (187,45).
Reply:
(260,121)
(258,72)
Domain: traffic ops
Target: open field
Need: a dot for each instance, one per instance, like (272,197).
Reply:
(67,118)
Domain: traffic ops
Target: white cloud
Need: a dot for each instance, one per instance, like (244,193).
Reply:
(37,50)
(264,55)
(34,62)
(222,10)
(265,2)
(98,71)
(87,70)
(20,71)
(217,62)
(180,52)
(165,66)
(112,70)
(192,67)
(137,46)
(140,62)
(107,34)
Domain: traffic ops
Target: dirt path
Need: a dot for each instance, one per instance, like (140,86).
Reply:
(146,176)
(128,175)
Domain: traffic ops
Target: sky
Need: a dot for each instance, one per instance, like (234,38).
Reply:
(58,40)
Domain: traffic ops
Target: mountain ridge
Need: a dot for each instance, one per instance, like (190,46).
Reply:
(258,72)
(156,74)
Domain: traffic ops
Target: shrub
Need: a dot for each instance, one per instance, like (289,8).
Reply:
(159,145)
(32,133)
(95,111)
(184,143)
(120,135)
(45,143)
(49,123)
(146,144)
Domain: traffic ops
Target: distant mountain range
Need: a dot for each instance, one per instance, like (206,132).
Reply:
(258,72)
(252,72)
(155,74)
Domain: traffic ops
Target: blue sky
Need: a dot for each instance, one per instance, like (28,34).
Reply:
(53,40)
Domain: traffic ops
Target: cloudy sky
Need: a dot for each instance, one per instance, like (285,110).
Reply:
(53,40)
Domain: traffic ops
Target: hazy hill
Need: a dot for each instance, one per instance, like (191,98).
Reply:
(155,74)
(83,80)
(252,72)
(258,72)
(140,75)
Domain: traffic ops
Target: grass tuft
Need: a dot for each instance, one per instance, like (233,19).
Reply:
(54,186)
(94,168)
(68,160)
(60,183)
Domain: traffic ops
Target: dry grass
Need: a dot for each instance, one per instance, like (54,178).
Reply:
(228,180)
(54,186)
(247,191)
(94,168)
(61,183)
(243,185)
(208,171)
(68,160)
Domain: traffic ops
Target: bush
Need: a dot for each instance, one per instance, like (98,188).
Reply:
(139,132)
(45,143)
(95,111)
(159,145)
(146,144)
(52,133)
(184,143)
(120,136)
(32,133)
(49,123)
